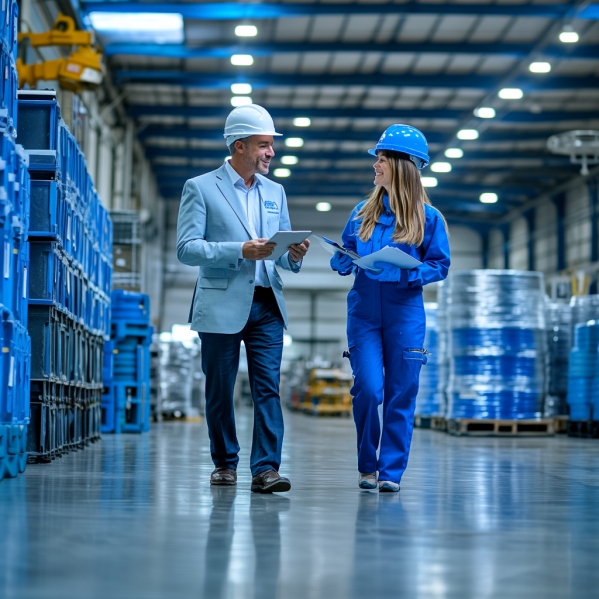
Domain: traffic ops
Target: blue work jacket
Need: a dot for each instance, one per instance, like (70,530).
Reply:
(433,252)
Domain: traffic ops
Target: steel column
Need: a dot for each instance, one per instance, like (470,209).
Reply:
(530,217)
(559,201)
(505,230)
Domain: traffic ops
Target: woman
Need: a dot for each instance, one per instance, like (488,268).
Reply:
(386,321)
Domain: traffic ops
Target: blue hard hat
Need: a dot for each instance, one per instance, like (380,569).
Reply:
(405,139)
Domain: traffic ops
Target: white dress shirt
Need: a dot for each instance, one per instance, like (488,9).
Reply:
(251,200)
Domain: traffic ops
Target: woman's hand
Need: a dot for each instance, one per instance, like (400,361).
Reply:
(388,273)
(342,263)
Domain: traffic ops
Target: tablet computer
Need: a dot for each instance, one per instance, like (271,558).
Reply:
(284,239)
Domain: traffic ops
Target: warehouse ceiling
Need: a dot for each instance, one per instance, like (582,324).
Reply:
(353,68)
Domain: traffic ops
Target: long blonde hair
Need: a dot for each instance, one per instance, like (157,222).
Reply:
(407,198)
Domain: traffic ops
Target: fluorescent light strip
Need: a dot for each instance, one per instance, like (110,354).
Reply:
(246,31)
(242,60)
(240,100)
(241,88)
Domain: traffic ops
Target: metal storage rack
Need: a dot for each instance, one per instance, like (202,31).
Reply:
(127,244)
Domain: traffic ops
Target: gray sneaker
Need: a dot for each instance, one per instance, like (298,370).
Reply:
(367,480)
(386,486)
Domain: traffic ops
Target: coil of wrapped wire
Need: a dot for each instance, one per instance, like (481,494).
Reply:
(582,372)
(428,400)
(558,317)
(497,344)
(442,347)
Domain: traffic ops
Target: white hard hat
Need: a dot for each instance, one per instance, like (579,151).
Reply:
(248,120)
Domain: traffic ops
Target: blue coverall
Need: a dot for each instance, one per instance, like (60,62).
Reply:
(385,332)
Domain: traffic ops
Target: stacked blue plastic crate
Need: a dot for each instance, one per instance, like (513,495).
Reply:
(15,342)
(70,239)
(126,401)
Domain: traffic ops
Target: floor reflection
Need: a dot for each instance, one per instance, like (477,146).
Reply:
(265,511)
(219,542)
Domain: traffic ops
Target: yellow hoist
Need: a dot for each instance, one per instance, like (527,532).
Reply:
(82,69)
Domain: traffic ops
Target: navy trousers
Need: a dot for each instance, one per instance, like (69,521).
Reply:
(263,339)
(385,329)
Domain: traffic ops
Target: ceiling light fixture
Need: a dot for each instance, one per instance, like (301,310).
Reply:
(488,198)
(539,67)
(281,172)
(468,134)
(302,122)
(510,93)
(289,160)
(429,181)
(484,112)
(241,88)
(240,100)
(568,35)
(246,31)
(454,153)
(158,28)
(323,206)
(294,142)
(441,167)
(242,60)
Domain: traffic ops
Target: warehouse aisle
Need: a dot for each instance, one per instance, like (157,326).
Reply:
(134,517)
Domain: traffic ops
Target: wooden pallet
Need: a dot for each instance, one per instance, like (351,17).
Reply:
(501,428)
(561,424)
(437,423)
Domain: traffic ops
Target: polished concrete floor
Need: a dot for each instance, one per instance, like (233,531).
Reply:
(134,517)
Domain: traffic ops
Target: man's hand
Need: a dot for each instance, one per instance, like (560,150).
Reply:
(299,250)
(257,249)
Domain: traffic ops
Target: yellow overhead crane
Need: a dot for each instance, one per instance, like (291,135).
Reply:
(83,68)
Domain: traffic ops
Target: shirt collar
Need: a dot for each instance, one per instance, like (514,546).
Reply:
(237,179)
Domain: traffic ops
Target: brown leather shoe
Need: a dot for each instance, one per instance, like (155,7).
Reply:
(225,477)
(270,482)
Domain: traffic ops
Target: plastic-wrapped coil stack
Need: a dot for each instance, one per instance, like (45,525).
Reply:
(497,344)
(428,401)
(442,347)
(584,309)
(558,318)
(582,380)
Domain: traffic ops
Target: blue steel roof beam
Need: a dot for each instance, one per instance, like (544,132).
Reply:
(529,178)
(183,52)
(138,111)
(228,11)
(519,76)
(521,160)
(272,80)
(344,135)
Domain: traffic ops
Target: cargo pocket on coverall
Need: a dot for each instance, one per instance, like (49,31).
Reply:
(413,360)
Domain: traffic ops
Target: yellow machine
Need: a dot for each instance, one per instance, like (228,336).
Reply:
(82,70)
(327,392)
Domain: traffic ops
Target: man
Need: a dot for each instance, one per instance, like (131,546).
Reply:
(225,219)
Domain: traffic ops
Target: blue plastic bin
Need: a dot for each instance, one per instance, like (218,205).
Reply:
(15,359)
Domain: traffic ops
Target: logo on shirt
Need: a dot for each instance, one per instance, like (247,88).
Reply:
(271,207)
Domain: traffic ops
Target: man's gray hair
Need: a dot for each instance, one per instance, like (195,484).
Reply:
(243,140)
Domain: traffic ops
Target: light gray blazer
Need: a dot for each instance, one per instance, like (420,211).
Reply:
(211,229)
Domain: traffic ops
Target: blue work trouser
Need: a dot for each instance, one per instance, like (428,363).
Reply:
(263,339)
(385,330)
